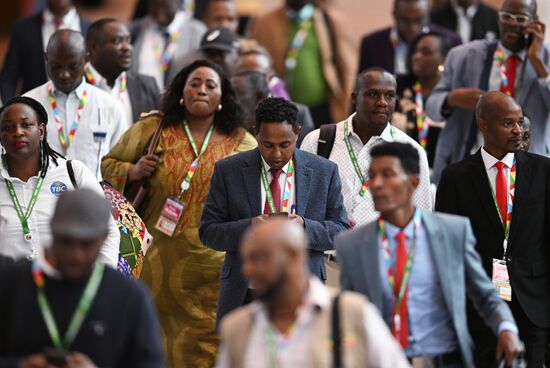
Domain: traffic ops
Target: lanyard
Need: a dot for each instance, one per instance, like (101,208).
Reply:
(123,83)
(286,193)
(165,58)
(299,38)
(408,266)
(186,183)
(422,122)
(271,340)
(66,144)
(80,312)
(511,192)
(24,217)
(364,179)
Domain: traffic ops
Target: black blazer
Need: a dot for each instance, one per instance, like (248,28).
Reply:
(464,190)
(144,93)
(24,62)
(485,20)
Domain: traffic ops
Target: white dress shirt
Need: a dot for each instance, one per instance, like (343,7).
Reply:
(102,115)
(57,180)
(382,350)
(154,42)
(115,92)
(361,209)
(282,183)
(71,20)
(489,161)
(464,18)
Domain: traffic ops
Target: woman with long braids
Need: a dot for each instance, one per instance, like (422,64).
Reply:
(200,125)
(32,176)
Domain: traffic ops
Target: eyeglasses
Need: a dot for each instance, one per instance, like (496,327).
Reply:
(519,19)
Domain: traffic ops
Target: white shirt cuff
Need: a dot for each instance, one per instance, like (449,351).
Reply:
(507,326)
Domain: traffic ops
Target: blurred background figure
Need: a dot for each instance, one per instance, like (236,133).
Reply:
(313,51)
(294,312)
(200,118)
(388,48)
(110,56)
(470,19)
(526,138)
(221,13)
(427,57)
(163,37)
(24,67)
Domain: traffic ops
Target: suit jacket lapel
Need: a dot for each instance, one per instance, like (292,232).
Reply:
(523,173)
(251,179)
(483,189)
(302,181)
(370,260)
(135,96)
(529,76)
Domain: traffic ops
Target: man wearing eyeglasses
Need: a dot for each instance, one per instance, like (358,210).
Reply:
(518,64)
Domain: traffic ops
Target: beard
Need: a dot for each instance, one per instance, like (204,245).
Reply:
(273,289)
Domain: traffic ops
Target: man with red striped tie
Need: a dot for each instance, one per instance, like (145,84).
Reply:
(417,268)
(505,193)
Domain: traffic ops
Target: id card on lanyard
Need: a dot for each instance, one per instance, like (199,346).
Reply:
(500,277)
(173,208)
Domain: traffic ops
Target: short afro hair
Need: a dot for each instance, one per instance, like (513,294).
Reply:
(405,152)
(276,110)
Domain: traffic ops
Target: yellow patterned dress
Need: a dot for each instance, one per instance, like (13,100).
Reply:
(182,273)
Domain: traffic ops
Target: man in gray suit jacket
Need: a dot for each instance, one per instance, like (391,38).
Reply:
(417,267)
(479,66)
(274,180)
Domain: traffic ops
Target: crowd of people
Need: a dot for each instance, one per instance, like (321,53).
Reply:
(180,194)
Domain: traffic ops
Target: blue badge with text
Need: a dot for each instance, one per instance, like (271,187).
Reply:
(57,188)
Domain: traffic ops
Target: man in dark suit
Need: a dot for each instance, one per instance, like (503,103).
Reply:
(275,179)
(470,19)
(388,48)
(501,182)
(417,267)
(110,55)
(24,65)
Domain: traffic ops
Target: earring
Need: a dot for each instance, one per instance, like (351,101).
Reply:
(441,68)
(182,103)
(219,108)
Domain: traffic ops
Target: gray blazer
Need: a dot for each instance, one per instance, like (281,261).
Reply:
(456,262)
(235,198)
(463,68)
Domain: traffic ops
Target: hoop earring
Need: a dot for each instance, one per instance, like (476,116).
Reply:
(219,108)
(182,103)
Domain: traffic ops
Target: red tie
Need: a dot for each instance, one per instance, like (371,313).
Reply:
(275,192)
(511,66)
(401,332)
(502,191)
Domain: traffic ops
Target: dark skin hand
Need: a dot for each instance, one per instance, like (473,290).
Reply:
(465,98)
(536,29)
(144,168)
(508,347)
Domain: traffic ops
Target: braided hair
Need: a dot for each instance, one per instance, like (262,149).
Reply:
(47,153)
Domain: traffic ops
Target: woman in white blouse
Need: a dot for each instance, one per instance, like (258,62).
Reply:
(32,176)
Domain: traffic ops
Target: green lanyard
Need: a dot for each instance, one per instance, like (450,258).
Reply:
(271,340)
(187,181)
(364,180)
(24,217)
(80,312)
(286,193)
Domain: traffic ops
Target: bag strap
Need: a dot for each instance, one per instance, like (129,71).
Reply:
(70,171)
(336,333)
(327,135)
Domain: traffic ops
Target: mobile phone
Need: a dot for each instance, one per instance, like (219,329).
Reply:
(55,357)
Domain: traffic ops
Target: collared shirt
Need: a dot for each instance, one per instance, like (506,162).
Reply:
(57,180)
(101,125)
(71,20)
(282,184)
(430,326)
(361,209)
(464,20)
(155,41)
(401,52)
(489,161)
(291,349)
(115,91)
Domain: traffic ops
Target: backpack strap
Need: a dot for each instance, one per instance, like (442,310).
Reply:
(70,171)
(327,135)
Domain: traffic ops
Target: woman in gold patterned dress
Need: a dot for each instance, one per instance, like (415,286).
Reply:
(182,273)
